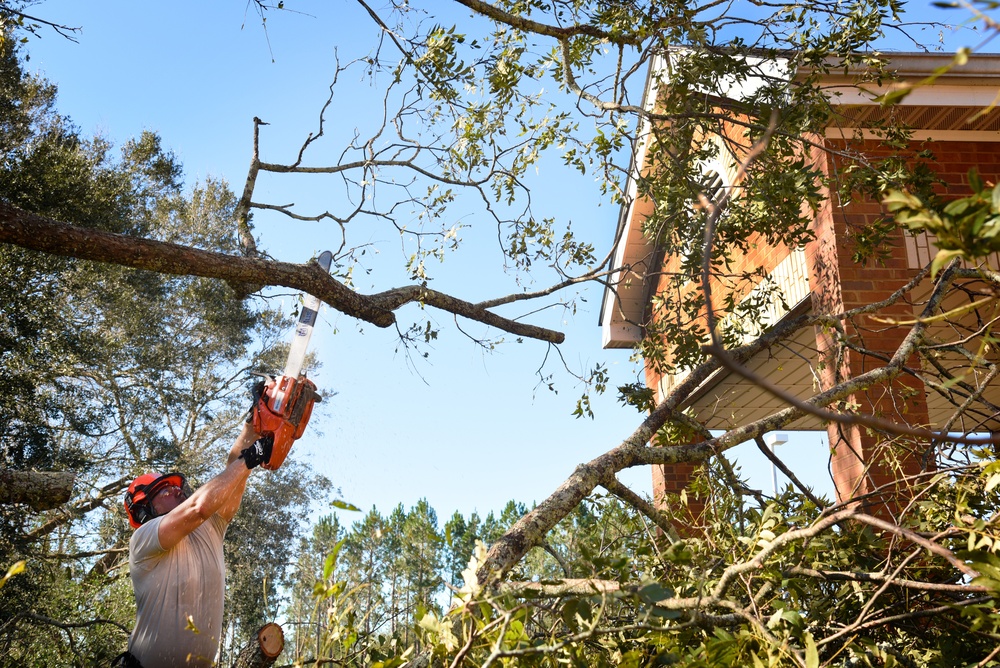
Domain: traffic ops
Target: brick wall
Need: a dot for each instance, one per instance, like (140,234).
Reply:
(862,460)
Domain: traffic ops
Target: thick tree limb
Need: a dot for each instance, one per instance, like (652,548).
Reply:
(79,509)
(29,230)
(564,587)
(39,490)
(531,529)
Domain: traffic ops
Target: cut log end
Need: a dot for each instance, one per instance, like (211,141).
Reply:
(262,651)
(271,640)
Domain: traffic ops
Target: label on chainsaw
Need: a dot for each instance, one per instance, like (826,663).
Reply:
(307,319)
(304,327)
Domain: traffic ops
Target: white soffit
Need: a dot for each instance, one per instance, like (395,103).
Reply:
(623,306)
(931,95)
(976,83)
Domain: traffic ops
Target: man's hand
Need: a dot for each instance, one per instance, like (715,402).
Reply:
(258,453)
(256,392)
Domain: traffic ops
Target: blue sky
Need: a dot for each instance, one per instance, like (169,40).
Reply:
(467,429)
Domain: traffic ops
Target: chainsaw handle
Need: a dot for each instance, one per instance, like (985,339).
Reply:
(282,411)
(257,391)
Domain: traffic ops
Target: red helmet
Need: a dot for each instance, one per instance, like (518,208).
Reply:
(141,492)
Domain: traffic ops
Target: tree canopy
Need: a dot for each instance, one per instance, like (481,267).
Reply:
(470,107)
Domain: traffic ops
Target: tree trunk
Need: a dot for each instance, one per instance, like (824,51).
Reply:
(41,491)
(263,650)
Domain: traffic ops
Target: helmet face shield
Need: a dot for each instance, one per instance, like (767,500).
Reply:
(141,492)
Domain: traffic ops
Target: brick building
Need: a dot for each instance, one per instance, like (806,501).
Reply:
(953,118)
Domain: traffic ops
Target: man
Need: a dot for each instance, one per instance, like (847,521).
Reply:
(176,560)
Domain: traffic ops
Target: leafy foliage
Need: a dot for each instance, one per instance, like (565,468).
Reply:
(748,580)
(783,584)
(111,372)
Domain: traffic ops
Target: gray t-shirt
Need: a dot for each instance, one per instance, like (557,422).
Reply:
(178,595)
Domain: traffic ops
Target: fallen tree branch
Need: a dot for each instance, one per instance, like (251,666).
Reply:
(66,626)
(616,487)
(35,232)
(85,555)
(856,576)
(530,530)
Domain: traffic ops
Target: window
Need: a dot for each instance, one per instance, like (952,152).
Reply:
(712,185)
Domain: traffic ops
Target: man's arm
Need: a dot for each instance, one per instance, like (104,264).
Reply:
(246,438)
(222,494)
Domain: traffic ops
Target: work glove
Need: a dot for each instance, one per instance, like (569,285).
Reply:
(258,453)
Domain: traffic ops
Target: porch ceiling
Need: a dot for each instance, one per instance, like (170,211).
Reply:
(727,400)
(953,376)
(954,118)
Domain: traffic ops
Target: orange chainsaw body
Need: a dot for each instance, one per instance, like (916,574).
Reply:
(282,413)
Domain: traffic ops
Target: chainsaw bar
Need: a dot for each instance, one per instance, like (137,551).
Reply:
(303,330)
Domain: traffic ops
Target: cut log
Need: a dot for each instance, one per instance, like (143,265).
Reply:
(39,490)
(263,650)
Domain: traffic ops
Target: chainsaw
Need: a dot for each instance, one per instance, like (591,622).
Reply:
(282,406)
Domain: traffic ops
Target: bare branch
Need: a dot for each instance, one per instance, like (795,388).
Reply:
(615,486)
(561,33)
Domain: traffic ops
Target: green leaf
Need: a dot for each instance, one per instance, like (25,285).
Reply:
(975,181)
(568,614)
(812,653)
(430,622)
(328,566)
(992,482)
(654,593)
(665,613)
(899,199)
(942,259)
(331,559)
(958,207)
(17,568)
(344,505)
(894,96)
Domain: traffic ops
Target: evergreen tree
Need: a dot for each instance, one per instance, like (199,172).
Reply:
(308,613)
(110,372)
(366,564)
(395,571)
(422,559)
